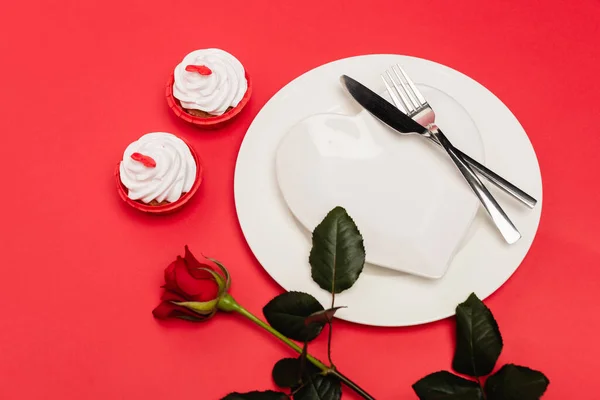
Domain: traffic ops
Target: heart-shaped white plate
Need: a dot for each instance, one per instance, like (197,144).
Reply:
(382,296)
(410,203)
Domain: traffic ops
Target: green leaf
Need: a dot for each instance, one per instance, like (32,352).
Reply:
(287,373)
(320,387)
(337,256)
(287,312)
(478,339)
(267,395)
(292,372)
(322,317)
(447,386)
(513,382)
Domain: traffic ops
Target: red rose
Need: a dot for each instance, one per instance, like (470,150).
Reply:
(192,289)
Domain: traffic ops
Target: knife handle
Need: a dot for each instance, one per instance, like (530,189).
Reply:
(498,216)
(494,178)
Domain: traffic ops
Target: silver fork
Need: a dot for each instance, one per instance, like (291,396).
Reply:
(410,101)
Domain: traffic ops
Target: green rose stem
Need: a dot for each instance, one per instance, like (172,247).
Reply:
(228,304)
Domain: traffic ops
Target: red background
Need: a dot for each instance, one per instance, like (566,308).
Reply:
(81,271)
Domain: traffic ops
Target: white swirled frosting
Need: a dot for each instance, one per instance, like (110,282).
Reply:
(173,175)
(213,93)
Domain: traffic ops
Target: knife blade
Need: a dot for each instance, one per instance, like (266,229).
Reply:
(381,108)
(396,119)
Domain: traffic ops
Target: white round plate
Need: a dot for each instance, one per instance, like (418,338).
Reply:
(384,297)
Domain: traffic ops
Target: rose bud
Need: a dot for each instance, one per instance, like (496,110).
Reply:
(193,290)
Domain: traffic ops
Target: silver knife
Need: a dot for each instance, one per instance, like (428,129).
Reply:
(396,119)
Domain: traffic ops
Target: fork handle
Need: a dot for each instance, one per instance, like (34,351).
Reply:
(494,178)
(498,216)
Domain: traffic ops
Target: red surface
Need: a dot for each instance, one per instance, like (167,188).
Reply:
(81,270)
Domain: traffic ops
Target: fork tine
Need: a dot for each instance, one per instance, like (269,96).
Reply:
(407,89)
(412,85)
(407,105)
(393,95)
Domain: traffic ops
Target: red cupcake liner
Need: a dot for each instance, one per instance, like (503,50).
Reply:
(209,122)
(165,208)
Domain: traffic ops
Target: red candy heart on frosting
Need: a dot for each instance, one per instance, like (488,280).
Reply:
(147,161)
(201,69)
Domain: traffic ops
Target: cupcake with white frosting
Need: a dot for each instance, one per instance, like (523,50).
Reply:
(208,86)
(158,172)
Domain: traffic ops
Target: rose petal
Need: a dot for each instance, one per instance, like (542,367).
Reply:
(170,283)
(171,277)
(209,292)
(171,296)
(166,310)
(187,285)
(196,269)
(201,274)
(163,310)
(194,266)
(189,258)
